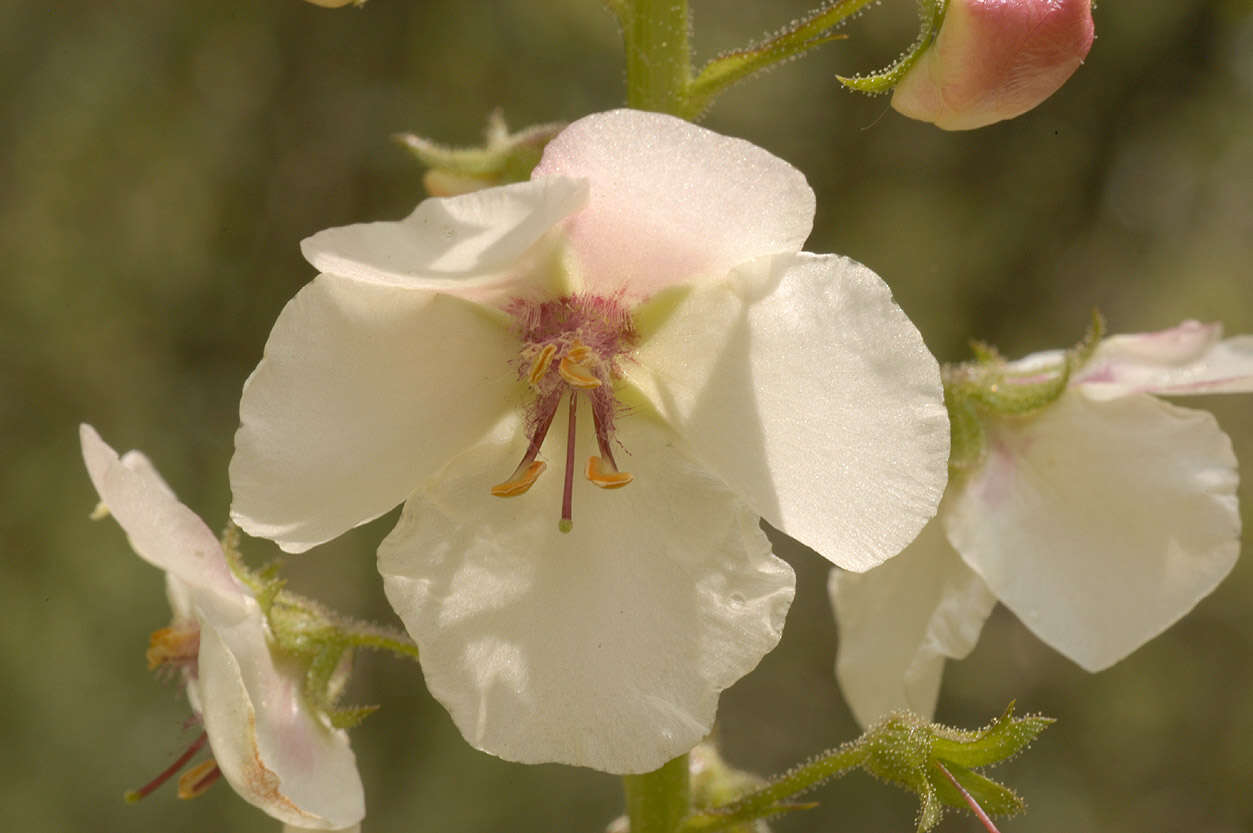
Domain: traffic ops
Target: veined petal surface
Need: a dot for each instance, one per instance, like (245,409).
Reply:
(604,647)
(1099,524)
(269,745)
(672,202)
(1190,358)
(363,391)
(802,384)
(160,529)
(462,245)
(901,621)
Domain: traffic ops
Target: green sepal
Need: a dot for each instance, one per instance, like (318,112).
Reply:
(351,717)
(902,749)
(930,809)
(930,16)
(503,158)
(993,798)
(999,741)
(968,442)
(985,353)
(988,387)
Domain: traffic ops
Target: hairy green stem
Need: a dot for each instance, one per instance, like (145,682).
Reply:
(657,801)
(658,54)
(774,797)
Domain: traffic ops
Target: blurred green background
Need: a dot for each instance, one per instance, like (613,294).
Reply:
(160,161)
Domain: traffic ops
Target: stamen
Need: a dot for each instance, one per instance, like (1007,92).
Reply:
(605,474)
(521,479)
(603,471)
(133,796)
(578,352)
(529,470)
(542,362)
(199,778)
(567,495)
(576,375)
(175,644)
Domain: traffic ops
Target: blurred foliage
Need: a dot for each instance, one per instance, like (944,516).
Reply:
(160,162)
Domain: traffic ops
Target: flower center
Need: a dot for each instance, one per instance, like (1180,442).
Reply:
(570,348)
(177,647)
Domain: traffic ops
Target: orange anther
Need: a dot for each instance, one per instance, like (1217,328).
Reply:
(579,352)
(542,362)
(521,480)
(173,644)
(575,375)
(199,778)
(605,475)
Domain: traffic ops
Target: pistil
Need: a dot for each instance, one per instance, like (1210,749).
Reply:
(567,494)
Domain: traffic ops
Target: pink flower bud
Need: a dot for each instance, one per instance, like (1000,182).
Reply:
(994,60)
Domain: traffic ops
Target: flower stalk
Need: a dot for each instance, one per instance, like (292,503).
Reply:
(658,801)
(656,35)
(658,53)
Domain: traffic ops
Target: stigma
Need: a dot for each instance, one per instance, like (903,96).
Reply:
(570,351)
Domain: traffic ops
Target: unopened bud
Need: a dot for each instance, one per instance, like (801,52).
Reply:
(994,60)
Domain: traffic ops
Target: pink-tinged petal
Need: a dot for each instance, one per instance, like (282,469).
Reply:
(672,202)
(271,748)
(1100,523)
(802,384)
(291,828)
(603,647)
(363,391)
(1191,358)
(901,621)
(162,531)
(994,60)
(475,245)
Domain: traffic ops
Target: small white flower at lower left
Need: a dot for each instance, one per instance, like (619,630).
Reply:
(275,751)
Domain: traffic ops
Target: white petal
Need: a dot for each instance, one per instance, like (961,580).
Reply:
(672,202)
(270,747)
(363,392)
(460,245)
(162,531)
(605,647)
(1100,523)
(804,386)
(1188,359)
(291,828)
(899,622)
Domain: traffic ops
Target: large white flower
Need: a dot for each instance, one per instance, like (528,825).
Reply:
(640,304)
(1099,521)
(272,749)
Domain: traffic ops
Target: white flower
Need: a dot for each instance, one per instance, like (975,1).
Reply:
(650,273)
(1099,521)
(272,749)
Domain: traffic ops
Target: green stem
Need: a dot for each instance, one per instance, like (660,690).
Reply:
(773,798)
(657,801)
(797,39)
(658,55)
